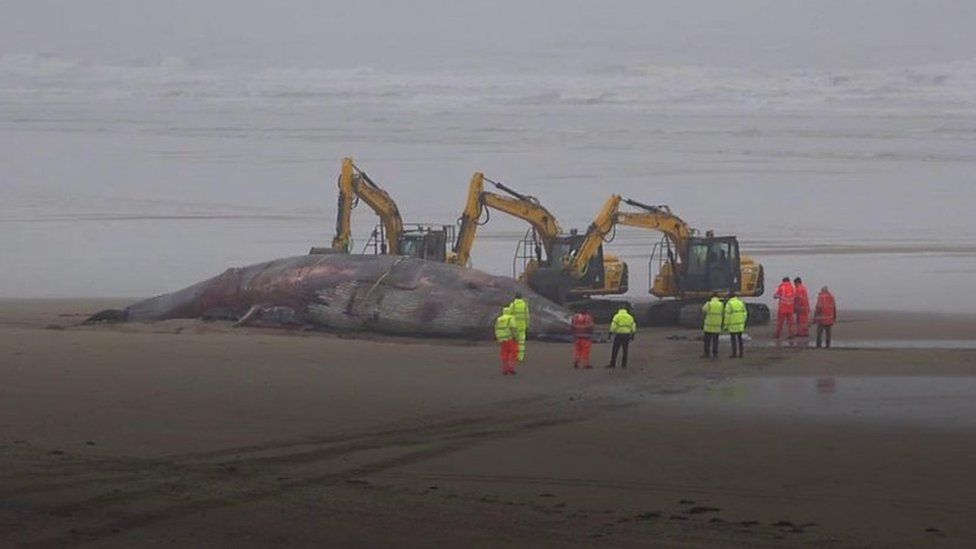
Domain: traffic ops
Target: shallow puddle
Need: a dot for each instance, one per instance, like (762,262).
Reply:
(940,401)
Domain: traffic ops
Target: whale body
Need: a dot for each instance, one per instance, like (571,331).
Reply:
(376,293)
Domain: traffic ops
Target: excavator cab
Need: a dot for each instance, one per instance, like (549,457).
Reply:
(418,240)
(564,248)
(712,265)
(427,242)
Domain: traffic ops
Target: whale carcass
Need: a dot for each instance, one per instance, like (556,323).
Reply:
(381,293)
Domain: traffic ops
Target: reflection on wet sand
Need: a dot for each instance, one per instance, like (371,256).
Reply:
(948,402)
(802,343)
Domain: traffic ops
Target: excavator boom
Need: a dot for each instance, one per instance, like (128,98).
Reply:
(657,218)
(596,233)
(355,183)
(515,204)
(566,270)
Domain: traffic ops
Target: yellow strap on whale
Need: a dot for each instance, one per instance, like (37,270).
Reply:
(383,277)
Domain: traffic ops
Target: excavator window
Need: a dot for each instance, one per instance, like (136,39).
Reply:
(713,264)
(718,269)
(697,264)
(429,244)
(564,249)
(412,247)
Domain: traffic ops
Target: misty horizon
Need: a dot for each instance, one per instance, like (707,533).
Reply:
(430,34)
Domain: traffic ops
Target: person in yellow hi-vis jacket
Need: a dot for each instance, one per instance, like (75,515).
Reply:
(623,327)
(736,315)
(714,312)
(520,310)
(506,333)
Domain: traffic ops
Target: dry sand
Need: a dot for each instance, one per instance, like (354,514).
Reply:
(183,433)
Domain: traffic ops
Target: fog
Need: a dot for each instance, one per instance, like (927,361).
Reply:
(146,145)
(432,33)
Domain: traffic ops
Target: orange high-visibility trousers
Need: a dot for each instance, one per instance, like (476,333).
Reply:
(803,322)
(581,352)
(509,355)
(786,317)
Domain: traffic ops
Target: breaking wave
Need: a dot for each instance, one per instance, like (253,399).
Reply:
(947,87)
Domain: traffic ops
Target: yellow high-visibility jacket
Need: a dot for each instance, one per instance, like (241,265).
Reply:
(714,310)
(735,316)
(505,328)
(520,310)
(623,323)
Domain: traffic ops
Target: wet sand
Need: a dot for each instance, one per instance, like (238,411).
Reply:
(185,433)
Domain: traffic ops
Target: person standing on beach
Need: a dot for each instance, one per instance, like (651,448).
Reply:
(801,306)
(520,310)
(786,295)
(582,324)
(623,327)
(736,315)
(714,311)
(825,315)
(506,332)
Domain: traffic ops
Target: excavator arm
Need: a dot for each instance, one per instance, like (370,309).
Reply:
(596,233)
(515,204)
(657,218)
(355,183)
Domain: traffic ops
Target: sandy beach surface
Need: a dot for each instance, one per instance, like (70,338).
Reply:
(184,433)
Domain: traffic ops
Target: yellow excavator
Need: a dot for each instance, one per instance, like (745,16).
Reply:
(391,236)
(573,266)
(690,267)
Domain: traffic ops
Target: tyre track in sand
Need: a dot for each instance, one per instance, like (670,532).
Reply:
(108,502)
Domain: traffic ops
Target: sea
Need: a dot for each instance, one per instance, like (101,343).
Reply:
(138,177)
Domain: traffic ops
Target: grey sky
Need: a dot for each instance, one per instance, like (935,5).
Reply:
(445,34)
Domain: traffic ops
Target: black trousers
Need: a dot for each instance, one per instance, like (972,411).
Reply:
(736,338)
(711,344)
(619,341)
(821,330)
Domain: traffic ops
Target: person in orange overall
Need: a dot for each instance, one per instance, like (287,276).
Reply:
(786,295)
(825,315)
(582,324)
(801,306)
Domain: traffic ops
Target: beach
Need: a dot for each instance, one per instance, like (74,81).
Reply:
(193,433)
(147,146)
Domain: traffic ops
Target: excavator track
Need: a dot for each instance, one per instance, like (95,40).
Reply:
(687,313)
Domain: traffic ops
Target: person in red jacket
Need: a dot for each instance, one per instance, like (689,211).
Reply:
(825,315)
(786,295)
(801,306)
(582,324)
